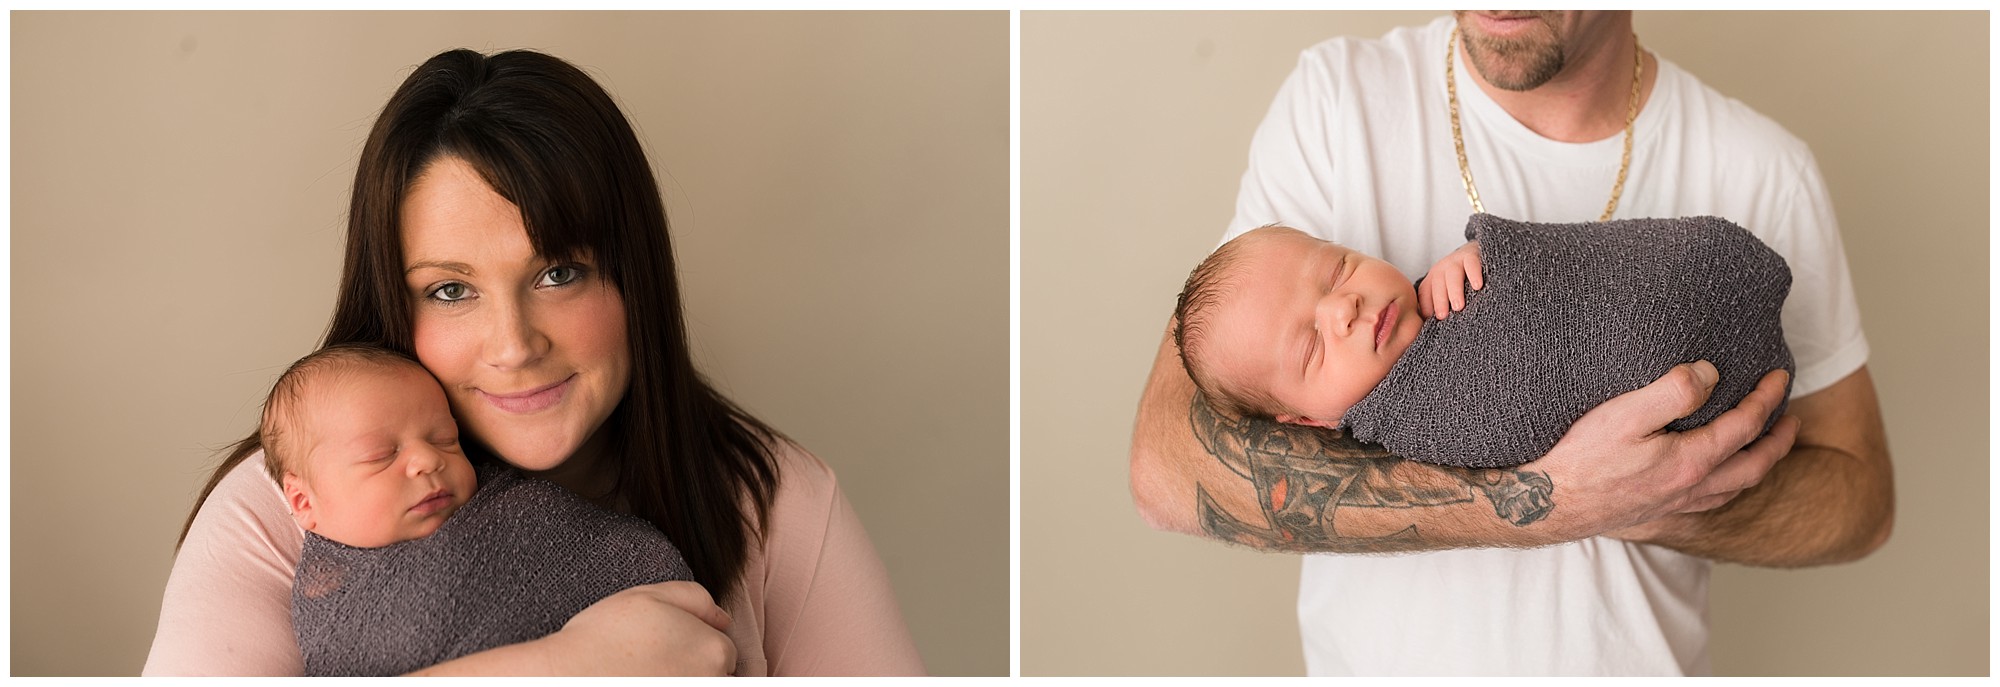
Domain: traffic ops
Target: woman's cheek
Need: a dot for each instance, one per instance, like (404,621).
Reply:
(448,353)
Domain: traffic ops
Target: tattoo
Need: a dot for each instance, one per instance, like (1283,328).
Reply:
(1304,475)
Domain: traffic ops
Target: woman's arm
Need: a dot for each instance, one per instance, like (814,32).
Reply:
(670,628)
(826,602)
(228,603)
(228,607)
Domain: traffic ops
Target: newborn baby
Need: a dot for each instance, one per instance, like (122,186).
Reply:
(1281,325)
(411,558)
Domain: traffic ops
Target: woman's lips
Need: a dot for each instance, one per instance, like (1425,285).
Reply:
(529,401)
(1385,324)
(437,501)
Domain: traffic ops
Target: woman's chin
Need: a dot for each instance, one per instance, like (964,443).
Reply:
(539,457)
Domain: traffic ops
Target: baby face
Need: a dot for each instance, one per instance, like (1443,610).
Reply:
(382,456)
(1311,324)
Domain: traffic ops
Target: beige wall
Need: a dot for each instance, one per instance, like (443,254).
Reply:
(838,186)
(1134,131)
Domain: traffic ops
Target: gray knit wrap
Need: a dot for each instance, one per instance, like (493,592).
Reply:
(1572,315)
(513,564)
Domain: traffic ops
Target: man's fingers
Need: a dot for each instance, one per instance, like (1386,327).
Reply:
(1648,409)
(1711,502)
(1746,468)
(1737,426)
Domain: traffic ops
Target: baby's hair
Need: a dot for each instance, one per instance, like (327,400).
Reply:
(282,415)
(1207,286)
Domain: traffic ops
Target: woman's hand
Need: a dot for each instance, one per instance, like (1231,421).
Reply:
(670,628)
(1444,288)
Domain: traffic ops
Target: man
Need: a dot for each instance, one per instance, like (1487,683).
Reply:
(1370,145)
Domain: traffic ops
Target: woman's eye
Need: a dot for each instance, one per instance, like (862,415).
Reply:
(450,292)
(560,275)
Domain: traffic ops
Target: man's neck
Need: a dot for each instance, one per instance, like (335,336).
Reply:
(1587,102)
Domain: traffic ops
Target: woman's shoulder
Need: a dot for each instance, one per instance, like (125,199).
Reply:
(247,504)
(800,471)
(815,590)
(227,606)
(804,498)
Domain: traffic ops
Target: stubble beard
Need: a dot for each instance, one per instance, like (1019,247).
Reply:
(1516,64)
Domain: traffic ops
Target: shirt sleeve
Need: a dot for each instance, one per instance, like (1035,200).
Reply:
(1821,318)
(827,605)
(228,603)
(1290,156)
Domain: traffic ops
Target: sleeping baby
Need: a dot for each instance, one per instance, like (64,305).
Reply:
(1562,317)
(411,556)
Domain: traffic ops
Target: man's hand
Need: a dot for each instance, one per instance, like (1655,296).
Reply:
(1617,468)
(1444,287)
(1832,499)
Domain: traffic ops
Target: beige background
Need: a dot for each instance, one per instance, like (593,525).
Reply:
(838,187)
(1135,129)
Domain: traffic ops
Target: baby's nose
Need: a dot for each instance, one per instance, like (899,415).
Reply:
(1338,311)
(423,459)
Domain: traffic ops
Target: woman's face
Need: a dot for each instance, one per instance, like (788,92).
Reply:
(530,349)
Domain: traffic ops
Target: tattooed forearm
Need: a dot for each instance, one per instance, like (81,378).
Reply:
(1303,476)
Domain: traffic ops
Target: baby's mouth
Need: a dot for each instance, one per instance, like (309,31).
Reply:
(1385,324)
(432,503)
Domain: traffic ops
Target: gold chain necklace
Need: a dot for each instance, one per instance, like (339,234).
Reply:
(1458,139)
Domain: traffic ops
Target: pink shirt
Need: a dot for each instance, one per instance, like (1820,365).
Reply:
(814,599)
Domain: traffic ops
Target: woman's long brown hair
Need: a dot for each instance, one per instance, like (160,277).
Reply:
(549,139)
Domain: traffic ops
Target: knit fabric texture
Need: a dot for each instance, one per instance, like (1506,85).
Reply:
(513,564)
(1570,316)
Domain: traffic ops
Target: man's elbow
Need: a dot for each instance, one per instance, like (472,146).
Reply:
(1858,539)
(1881,533)
(1877,523)
(1873,535)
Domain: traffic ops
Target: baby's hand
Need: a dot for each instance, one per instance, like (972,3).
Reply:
(1444,288)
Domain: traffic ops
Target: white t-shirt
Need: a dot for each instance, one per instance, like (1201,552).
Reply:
(1357,149)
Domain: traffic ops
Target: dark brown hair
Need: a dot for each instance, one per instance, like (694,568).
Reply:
(550,140)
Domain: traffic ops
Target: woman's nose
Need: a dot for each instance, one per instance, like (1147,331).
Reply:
(514,342)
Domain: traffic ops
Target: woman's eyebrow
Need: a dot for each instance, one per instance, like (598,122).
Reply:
(448,266)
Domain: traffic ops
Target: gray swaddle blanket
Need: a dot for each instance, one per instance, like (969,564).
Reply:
(513,564)
(1572,315)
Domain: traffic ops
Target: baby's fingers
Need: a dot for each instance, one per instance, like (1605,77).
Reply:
(1456,290)
(1477,272)
(1439,303)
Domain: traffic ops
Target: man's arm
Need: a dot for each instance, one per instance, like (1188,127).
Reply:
(1832,501)
(1291,488)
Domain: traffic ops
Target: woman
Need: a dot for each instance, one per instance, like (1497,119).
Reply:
(506,230)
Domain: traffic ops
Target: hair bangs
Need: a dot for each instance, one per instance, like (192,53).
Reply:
(551,181)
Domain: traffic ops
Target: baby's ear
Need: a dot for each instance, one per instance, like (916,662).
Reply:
(1309,422)
(299,501)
